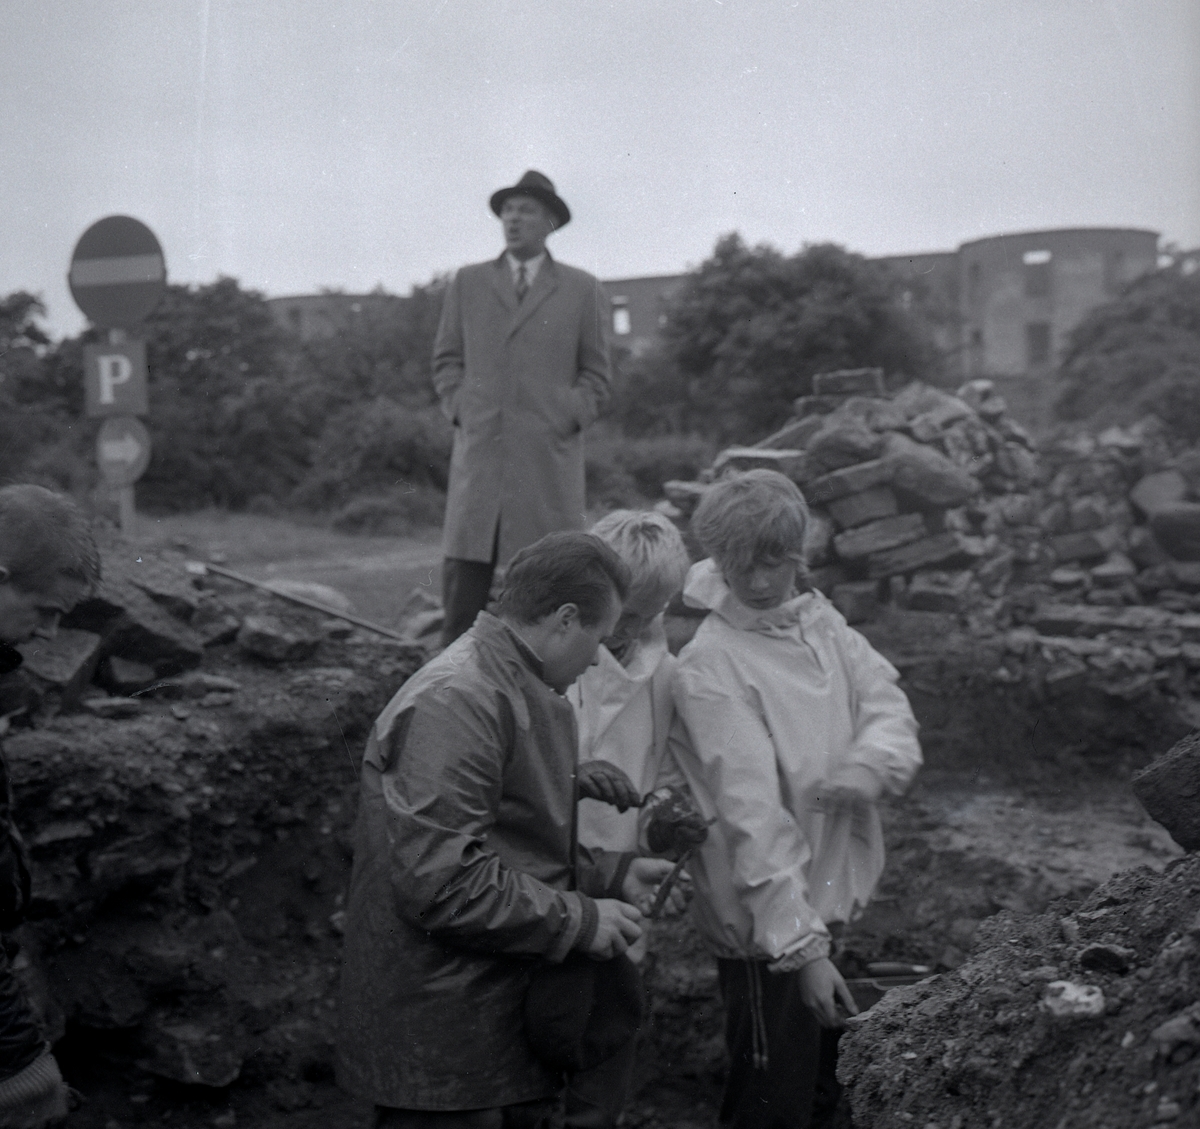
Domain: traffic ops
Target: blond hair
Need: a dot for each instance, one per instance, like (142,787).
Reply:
(650,545)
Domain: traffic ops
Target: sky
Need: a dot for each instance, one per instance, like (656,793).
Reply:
(299,145)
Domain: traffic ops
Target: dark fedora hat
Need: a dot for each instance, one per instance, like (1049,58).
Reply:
(541,188)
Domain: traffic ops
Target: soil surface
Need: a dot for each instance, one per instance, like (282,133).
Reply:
(966,843)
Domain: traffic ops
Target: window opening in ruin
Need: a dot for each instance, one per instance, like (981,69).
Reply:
(1037,273)
(1037,343)
(621,323)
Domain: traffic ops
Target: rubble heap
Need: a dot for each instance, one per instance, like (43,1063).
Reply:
(187,794)
(1082,1016)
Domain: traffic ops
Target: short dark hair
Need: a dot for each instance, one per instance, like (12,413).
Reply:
(563,568)
(45,536)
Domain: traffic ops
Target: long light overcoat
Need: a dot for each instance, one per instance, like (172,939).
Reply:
(519,381)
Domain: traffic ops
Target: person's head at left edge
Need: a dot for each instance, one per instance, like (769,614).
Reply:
(562,595)
(529,211)
(48,561)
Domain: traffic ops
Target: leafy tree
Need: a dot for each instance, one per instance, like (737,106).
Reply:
(37,443)
(1137,355)
(381,345)
(751,327)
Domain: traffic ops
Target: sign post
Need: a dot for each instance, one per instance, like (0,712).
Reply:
(117,276)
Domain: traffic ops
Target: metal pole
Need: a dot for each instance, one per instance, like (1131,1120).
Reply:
(304,602)
(128,513)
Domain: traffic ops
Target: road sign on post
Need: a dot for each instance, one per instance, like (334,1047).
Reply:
(117,276)
(115,379)
(117,273)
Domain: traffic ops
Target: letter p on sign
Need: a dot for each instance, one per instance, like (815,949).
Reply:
(115,379)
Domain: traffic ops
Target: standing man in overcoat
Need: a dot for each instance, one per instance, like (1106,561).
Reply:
(521,367)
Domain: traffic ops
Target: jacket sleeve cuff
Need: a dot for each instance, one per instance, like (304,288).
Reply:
(814,947)
(579,929)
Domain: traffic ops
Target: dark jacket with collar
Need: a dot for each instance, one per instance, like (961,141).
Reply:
(14,859)
(465,876)
(519,381)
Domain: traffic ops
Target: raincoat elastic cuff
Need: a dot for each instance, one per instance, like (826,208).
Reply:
(816,948)
(587,928)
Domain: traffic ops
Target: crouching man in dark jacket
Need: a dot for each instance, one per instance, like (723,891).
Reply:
(466,878)
(48,563)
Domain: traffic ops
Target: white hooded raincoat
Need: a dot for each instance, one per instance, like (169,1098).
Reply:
(775,702)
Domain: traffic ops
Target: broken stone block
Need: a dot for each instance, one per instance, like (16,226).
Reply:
(849,382)
(867,505)
(858,601)
(938,591)
(1176,527)
(321,594)
(1080,619)
(877,536)
(787,462)
(944,548)
(1169,789)
(1016,464)
(869,411)
(805,406)
(840,444)
(215,623)
(993,573)
(114,708)
(135,627)
(1087,544)
(1090,512)
(818,536)
(426,625)
(1069,577)
(196,1053)
(925,478)
(848,480)
(1163,488)
(926,427)
(827,577)
(1115,571)
(794,435)
(265,637)
(1144,549)
(685,495)
(67,662)
(1065,1000)
(122,677)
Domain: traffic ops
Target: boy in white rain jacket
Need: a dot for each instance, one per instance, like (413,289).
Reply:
(797,729)
(624,709)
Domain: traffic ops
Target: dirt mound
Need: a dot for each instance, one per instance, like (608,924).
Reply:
(1081,1016)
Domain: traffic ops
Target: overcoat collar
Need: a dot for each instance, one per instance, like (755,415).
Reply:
(544,284)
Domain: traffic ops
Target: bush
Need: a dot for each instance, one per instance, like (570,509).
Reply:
(628,472)
(396,513)
(375,449)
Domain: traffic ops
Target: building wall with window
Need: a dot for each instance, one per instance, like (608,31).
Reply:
(1021,295)
(639,309)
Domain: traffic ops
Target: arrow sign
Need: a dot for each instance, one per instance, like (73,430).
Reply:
(122,450)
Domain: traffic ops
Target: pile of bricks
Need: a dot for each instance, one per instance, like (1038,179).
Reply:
(896,484)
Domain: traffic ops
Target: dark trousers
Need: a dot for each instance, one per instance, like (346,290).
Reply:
(594,1098)
(20,1040)
(781,1062)
(465,588)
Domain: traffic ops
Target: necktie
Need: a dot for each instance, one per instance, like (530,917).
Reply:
(522,284)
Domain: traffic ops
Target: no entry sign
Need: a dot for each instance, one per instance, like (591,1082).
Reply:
(117,273)
(122,450)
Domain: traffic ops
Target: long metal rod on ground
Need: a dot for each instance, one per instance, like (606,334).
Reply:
(357,620)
